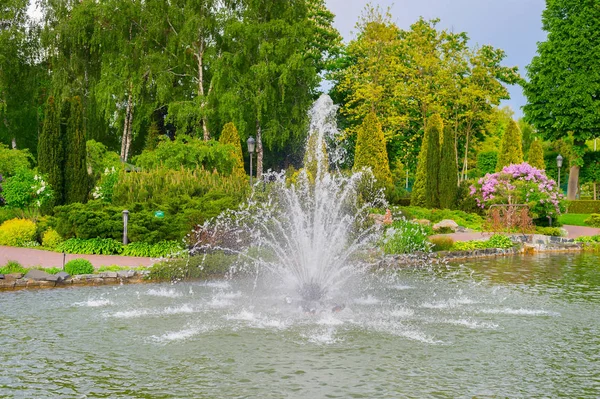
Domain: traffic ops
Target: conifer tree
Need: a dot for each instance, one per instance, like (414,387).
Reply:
(51,152)
(435,127)
(511,150)
(371,152)
(230,135)
(418,196)
(536,155)
(153,137)
(75,168)
(448,182)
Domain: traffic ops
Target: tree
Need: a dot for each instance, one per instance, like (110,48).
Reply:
(448,175)
(75,168)
(230,135)
(316,160)
(371,152)
(426,188)
(562,90)
(51,150)
(511,151)
(536,155)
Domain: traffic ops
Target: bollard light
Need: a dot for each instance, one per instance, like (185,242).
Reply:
(559,161)
(251,143)
(125,219)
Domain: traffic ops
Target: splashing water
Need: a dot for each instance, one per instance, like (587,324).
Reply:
(311,231)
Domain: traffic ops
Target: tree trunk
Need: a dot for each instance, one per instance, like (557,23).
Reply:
(125,141)
(466,159)
(573,182)
(14,143)
(200,56)
(259,151)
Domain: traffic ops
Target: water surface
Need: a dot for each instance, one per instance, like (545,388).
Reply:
(508,327)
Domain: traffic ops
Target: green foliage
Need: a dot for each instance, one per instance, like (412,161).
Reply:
(230,136)
(27,191)
(588,239)
(92,246)
(79,266)
(203,266)
(106,185)
(435,128)
(371,152)
(583,206)
(418,196)
(153,137)
(51,239)
(551,231)
(593,220)
(13,267)
(405,237)
(448,173)
(486,162)
(12,160)
(158,250)
(76,179)
(511,151)
(51,150)
(469,220)
(100,160)
(495,241)
(8,213)
(536,155)
(17,232)
(162,184)
(441,243)
(189,153)
(315,154)
(590,172)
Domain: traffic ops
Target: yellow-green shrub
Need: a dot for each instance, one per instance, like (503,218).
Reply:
(51,239)
(16,232)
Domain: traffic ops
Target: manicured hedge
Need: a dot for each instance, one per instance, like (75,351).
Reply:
(583,206)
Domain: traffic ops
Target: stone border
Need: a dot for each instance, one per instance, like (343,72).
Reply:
(13,282)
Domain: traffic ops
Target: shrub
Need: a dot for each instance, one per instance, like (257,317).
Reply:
(12,267)
(7,214)
(158,250)
(51,239)
(17,232)
(79,266)
(583,206)
(448,187)
(536,155)
(27,191)
(486,162)
(405,237)
(593,220)
(500,241)
(495,241)
(12,160)
(520,184)
(94,246)
(189,153)
(202,266)
(511,151)
(441,243)
(551,231)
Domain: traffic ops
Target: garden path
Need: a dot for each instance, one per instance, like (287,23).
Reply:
(29,257)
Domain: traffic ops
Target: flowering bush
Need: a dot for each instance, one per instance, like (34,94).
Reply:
(520,184)
(106,187)
(27,191)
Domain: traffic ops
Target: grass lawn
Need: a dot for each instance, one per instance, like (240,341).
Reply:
(573,219)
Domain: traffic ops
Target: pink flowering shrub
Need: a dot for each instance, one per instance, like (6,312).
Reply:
(520,184)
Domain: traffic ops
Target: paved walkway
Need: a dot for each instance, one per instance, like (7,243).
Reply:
(573,232)
(29,257)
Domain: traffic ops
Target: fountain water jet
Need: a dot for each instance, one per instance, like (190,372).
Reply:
(307,229)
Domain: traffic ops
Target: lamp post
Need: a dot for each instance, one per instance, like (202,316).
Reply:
(559,161)
(251,142)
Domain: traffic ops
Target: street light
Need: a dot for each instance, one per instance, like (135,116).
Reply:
(251,142)
(559,160)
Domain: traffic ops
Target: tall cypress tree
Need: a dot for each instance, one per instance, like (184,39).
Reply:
(50,150)
(372,153)
(435,126)
(76,177)
(230,135)
(448,170)
(536,155)
(511,150)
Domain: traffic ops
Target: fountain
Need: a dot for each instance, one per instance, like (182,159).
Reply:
(306,229)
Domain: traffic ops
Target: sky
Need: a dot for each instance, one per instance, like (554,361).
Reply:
(514,26)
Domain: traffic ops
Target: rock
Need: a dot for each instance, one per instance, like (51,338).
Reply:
(423,222)
(126,273)
(387,218)
(62,276)
(39,275)
(378,219)
(1,276)
(109,274)
(446,223)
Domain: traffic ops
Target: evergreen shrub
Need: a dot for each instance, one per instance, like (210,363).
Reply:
(51,239)
(441,243)
(593,220)
(486,162)
(79,266)
(201,266)
(583,206)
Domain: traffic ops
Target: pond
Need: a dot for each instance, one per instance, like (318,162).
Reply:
(505,327)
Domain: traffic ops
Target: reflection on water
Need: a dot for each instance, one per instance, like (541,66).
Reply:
(507,327)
